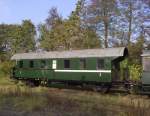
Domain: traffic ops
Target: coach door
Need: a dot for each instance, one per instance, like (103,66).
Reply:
(115,70)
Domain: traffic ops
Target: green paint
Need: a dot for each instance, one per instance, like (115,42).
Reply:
(48,72)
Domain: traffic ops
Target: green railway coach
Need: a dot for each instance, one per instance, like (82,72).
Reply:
(89,66)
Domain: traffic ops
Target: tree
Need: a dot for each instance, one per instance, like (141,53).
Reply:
(28,36)
(66,34)
(135,50)
(22,37)
(17,38)
(53,19)
(50,31)
(2,36)
(82,36)
(100,14)
(133,15)
(129,16)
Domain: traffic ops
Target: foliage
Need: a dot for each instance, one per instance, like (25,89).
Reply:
(23,37)
(124,64)
(28,36)
(67,34)
(16,38)
(135,51)
(117,22)
(5,67)
(135,72)
(135,13)
(100,14)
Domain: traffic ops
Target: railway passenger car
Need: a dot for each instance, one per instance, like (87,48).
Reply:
(100,67)
(145,80)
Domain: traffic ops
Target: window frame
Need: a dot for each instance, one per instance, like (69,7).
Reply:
(100,64)
(82,60)
(43,63)
(21,64)
(69,64)
(31,64)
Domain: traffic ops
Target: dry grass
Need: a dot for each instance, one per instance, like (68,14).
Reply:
(19,100)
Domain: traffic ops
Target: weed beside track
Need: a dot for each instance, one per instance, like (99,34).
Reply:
(20,100)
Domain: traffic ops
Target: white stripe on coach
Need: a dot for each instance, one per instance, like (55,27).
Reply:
(101,71)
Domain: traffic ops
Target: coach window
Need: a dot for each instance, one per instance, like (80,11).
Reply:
(43,63)
(146,63)
(66,64)
(54,64)
(100,64)
(31,64)
(21,64)
(82,63)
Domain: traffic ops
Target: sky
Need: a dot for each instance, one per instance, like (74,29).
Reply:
(14,11)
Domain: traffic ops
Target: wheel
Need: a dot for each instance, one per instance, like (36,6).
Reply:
(37,83)
(33,83)
(105,88)
(29,83)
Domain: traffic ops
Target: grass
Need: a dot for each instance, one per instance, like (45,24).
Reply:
(5,80)
(20,100)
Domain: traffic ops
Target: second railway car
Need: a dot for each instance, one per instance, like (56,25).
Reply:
(145,79)
(90,66)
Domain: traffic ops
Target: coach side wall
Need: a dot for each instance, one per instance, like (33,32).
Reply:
(89,74)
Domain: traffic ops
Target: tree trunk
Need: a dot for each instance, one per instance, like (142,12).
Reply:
(106,34)
(130,23)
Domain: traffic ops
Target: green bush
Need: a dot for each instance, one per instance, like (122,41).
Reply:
(135,72)
(5,67)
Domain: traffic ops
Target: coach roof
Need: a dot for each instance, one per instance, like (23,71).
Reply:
(106,52)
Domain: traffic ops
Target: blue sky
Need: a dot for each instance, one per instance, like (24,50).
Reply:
(14,11)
